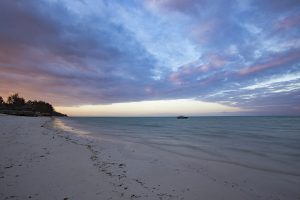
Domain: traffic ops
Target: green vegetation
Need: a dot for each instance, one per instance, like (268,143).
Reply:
(16,105)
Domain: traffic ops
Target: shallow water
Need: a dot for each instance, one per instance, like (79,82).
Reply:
(262,143)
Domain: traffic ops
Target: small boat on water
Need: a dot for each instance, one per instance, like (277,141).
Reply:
(182,117)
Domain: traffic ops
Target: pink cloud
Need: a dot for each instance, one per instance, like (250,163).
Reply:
(203,32)
(216,60)
(271,63)
(185,73)
(288,22)
(175,78)
(191,71)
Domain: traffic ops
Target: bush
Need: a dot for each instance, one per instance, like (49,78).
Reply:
(41,106)
(16,105)
(15,100)
(1,101)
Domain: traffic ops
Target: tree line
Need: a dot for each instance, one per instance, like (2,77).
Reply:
(16,105)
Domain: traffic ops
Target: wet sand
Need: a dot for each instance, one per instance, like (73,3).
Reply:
(39,161)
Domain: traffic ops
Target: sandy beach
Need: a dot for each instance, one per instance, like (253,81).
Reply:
(42,158)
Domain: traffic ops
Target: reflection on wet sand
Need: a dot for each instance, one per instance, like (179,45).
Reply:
(60,124)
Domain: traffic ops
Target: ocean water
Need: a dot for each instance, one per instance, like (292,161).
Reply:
(262,143)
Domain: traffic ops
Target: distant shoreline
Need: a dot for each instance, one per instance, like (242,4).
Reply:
(27,113)
(16,105)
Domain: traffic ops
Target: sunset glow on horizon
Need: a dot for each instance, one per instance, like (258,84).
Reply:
(151,108)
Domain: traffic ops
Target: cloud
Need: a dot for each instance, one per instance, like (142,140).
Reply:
(275,80)
(185,6)
(103,52)
(277,5)
(274,62)
(198,69)
(90,55)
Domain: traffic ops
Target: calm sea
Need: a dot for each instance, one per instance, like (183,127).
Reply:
(262,143)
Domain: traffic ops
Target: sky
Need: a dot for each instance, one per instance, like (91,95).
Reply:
(153,57)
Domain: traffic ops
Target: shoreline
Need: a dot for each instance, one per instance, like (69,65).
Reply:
(39,160)
(38,163)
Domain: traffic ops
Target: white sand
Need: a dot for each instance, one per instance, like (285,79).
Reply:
(39,162)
